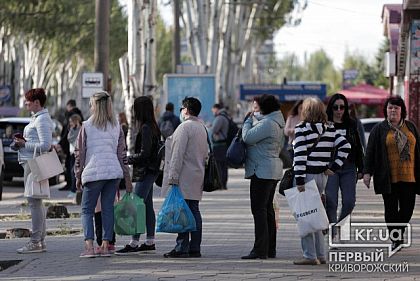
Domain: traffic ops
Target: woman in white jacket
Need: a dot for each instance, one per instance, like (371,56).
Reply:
(37,134)
(101,162)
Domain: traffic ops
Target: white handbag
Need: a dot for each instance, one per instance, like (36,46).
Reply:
(35,189)
(45,165)
(307,208)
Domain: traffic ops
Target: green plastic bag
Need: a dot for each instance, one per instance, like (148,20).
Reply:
(130,215)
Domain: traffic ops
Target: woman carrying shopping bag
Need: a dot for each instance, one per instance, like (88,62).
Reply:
(264,139)
(145,171)
(36,135)
(316,165)
(101,162)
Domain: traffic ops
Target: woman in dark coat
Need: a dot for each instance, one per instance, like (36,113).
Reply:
(393,158)
(145,171)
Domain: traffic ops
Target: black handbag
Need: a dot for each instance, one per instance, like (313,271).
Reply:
(236,153)
(289,175)
(287,181)
(212,180)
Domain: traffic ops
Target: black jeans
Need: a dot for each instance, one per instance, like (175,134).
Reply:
(220,157)
(262,194)
(399,206)
(183,242)
(98,230)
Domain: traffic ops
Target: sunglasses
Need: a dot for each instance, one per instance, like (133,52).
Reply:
(338,107)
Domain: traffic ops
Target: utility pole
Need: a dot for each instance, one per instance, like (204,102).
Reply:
(176,50)
(103,11)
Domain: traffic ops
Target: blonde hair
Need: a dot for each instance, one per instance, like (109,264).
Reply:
(313,111)
(102,113)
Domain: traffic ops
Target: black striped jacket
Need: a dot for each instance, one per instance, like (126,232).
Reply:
(320,158)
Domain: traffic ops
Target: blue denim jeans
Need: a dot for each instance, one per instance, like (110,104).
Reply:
(144,189)
(183,242)
(344,179)
(91,191)
(313,244)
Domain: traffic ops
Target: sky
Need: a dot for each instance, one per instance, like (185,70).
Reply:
(333,25)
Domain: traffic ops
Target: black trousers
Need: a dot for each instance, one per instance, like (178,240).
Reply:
(399,206)
(220,157)
(98,230)
(262,194)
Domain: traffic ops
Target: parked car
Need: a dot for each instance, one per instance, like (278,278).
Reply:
(368,124)
(10,126)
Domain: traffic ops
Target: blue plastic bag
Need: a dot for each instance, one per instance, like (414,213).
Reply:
(175,216)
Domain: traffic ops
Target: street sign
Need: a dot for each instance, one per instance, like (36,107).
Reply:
(285,92)
(92,82)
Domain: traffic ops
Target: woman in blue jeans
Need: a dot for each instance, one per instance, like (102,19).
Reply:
(313,146)
(344,179)
(145,171)
(101,162)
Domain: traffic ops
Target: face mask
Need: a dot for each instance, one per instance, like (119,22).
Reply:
(257,114)
(181,117)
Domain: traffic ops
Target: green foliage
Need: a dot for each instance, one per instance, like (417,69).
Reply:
(320,68)
(66,27)
(369,72)
(275,14)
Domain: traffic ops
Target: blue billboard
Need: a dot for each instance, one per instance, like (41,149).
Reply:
(200,86)
(285,92)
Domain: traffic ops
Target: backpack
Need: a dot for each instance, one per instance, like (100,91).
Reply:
(232,129)
(166,128)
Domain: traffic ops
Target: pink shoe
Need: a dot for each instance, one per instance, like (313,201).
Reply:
(88,253)
(102,252)
(111,249)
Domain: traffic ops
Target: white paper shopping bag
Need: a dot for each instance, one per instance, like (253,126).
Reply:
(45,166)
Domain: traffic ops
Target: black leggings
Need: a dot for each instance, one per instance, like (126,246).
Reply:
(98,230)
(399,205)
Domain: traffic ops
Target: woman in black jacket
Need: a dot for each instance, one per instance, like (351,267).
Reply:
(145,171)
(344,179)
(393,158)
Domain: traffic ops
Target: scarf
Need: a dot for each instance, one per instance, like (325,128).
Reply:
(401,140)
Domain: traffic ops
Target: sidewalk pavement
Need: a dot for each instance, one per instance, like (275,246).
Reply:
(227,235)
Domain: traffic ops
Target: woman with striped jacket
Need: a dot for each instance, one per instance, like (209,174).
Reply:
(314,130)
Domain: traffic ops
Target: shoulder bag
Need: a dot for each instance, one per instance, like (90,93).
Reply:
(212,180)
(45,165)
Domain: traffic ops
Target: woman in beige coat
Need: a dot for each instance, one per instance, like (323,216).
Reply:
(185,157)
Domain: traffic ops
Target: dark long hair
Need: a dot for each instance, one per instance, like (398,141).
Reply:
(333,99)
(144,114)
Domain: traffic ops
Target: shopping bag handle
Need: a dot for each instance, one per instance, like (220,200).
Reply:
(35,151)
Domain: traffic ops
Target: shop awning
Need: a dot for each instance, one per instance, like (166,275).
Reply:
(365,94)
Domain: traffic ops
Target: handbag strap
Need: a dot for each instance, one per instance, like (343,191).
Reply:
(208,139)
(310,150)
(35,151)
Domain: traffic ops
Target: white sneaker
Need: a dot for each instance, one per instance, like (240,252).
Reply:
(71,195)
(31,247)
